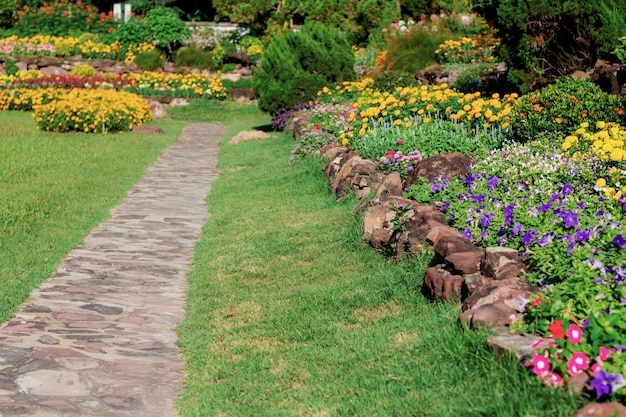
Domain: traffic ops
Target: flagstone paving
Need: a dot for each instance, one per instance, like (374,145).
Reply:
(97,339)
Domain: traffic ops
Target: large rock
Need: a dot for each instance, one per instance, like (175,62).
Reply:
(509,291)
(450,244)
(242,95)
(602,410)
(158,110)
(442,284)
(523,347)
(52,70)
(464,263)
(492,315)
(448,165)
(237,57)
(390,185)
(501,263)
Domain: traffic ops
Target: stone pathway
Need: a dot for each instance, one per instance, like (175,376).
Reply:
(97,339)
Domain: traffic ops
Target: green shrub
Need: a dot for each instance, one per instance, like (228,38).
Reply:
(562,106)
(82,70)
(133,32)
(11,67)
(167,29)
(192,56)
(228,67)
(149,60)
(390,80)
(546,39)
(297,65)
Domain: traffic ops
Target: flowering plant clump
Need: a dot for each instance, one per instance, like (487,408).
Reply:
(24,99)
(95,111)
(563,106)
(63,17)
(474,50)
(399,162)
(568,354)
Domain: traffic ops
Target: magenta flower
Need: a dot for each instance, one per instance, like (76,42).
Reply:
(541,366)
(578,363)
(554,380)
(574,333)
(604,353)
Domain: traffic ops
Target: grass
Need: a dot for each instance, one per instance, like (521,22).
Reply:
(288,314)
(54,189)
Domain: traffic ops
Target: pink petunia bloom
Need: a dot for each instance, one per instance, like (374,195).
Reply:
(574,333)
(399,142)
(604,353)
(541,366)
(554,380)
(578,363)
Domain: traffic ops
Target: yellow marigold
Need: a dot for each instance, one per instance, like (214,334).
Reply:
(600,183)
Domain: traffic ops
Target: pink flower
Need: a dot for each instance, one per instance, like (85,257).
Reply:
(604,353)
(385,30)
(578,363)
(399,142)
(575,334)
(541,366)
(554,380)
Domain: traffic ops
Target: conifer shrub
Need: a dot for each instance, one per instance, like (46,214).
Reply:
(546,39)
(296,65)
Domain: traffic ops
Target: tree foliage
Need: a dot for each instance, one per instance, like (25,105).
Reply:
(546,39)
(298,64)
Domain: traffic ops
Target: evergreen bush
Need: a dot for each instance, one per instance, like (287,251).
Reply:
(546,39)
(149,60)
(297,65)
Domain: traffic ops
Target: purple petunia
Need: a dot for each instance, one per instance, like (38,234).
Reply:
(528,237)
(544,207)
(517,229)
(467,234)
(492,183)
(603,382)
(485,220)
(546,239)
(619,241)
(570,218)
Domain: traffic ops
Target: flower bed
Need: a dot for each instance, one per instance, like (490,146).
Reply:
(559,199)
(146,83)
(95,111)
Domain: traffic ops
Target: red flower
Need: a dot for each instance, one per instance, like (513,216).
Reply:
(556,328)
(399,142)
(536,301)
(318,126)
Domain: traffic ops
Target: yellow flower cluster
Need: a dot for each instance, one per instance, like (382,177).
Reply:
(486,111)
(24,99)
(426,101)
(134,50)
(97,111)
(608,142)
(452,45)
(196,83)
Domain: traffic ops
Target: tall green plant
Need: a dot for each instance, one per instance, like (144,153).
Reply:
(298,64)
(168,30)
